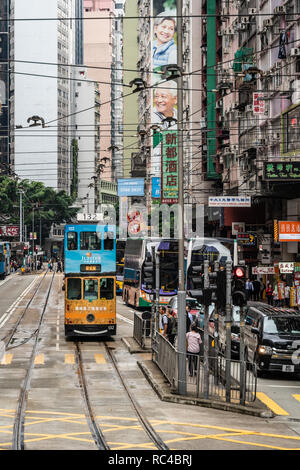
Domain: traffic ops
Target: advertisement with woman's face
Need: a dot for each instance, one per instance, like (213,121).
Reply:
(164,33)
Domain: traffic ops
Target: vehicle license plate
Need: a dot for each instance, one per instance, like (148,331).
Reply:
(288,368)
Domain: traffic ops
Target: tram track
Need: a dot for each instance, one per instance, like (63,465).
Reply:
(150,431)
(95,430)
(19,422)
(7,339)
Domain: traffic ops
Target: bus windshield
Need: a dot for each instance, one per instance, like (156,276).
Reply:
(282,325)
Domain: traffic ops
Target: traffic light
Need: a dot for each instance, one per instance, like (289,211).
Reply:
(221,289)
(239,287)
(149,275)
(196,282)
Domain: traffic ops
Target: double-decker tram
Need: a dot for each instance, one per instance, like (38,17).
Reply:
(5,251)
(90,280)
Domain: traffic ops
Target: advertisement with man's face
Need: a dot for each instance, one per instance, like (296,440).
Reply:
(164,52)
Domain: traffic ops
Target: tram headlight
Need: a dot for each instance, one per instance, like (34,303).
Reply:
(90,318)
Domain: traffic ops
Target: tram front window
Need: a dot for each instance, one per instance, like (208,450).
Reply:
(90,241)
(106,288)
(74,289)
(90,289)
(72,241)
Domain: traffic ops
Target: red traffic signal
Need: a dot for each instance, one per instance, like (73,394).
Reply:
(239,272)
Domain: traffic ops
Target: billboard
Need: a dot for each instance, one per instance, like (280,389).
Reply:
(131,187)
(289,231)
(164,93)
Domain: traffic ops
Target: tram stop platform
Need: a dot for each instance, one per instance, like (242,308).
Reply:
(164,390)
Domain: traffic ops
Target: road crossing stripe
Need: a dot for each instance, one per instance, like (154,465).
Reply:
(271,404)
(297,397)
(69,359)
(100,359)
(39,359)
(7,359)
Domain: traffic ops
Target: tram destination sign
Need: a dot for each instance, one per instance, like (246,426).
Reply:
(282,171)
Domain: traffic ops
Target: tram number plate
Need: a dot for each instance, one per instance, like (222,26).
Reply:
(90,268)
(288,368)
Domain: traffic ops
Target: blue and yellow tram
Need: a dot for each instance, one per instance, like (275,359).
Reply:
(90,279)
(4,259)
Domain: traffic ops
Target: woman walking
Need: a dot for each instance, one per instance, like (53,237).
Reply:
(193,340)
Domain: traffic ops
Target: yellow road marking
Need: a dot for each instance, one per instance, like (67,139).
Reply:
(69,359)
(297,397)
(271,404)
(39,359)
(7,359)
(100,359)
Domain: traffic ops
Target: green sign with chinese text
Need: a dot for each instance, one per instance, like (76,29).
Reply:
(282,171)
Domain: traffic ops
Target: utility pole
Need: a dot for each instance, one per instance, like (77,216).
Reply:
(181,264)
(21,216)
(228,330)
(206,337)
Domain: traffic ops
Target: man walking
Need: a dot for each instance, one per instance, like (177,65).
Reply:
(249,289)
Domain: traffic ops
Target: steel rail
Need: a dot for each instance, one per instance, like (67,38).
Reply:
(15,327)
(154,436)
(96,432)
(18,428)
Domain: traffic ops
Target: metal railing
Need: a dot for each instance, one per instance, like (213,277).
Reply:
(166,357)
(141,331)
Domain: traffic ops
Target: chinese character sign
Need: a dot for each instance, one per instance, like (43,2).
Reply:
(169,166)
(258,103)
(289,231)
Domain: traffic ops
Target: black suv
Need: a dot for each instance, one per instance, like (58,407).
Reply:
(272,337)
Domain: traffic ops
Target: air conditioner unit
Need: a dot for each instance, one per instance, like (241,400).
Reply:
(262,142)
(220,33)
(227,151)
(226,50)
(221,160)
(280,9)
(252,11)
(276,136)
(235,147)
(241,27)
(230,32)
(295,51)
(245,19)
(219,104)
(267,23)
(249,107)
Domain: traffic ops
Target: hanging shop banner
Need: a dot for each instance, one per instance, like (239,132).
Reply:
(286,267)
(164,95)
(169,166)
(258,103)
(289,231)
(263,270)
(156,185)
(229,201)
(282,171)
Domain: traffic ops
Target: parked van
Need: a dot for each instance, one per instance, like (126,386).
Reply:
(272,337)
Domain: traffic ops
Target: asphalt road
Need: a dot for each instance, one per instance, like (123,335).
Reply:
(55,413)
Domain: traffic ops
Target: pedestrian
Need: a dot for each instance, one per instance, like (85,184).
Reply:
(287,295)
(189,318)
(276,301)
(59,266)
(163,321)
(269,294)
(256,290)
(249,289)
(193,341)
(262,290)
(50,266)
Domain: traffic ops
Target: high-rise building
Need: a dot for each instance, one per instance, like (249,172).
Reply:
(41,90)
(4,87)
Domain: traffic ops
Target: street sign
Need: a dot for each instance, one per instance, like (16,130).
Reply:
(229,201)
(237,227)
(131,187)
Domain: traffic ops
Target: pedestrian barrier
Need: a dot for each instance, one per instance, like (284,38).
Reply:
(166,358)
(141,330)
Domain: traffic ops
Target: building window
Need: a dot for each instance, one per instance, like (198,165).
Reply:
(290,125)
